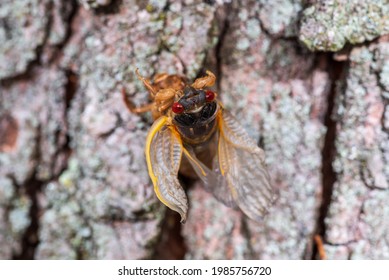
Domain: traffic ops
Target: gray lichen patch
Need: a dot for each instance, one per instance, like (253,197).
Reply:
(374,224)
(59,21)
(362,158)
(123,240)
(26,27)
(328,24)
(41,125)
(13,218)
(381,66)
(63,230)
(22,30)
(188,33)
(280,17)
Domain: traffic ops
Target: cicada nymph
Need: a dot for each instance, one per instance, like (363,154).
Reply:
(192,128)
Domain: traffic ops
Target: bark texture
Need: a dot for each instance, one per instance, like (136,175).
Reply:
(73,179)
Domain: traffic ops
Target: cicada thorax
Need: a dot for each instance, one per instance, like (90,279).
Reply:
(196,129)
(195,120)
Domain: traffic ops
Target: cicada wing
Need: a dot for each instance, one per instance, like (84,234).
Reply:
(242,164)
(213,181)
(163,155)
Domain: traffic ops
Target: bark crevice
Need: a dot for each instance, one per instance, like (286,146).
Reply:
(335,70)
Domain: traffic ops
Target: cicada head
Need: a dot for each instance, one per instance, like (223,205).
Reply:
(194,114)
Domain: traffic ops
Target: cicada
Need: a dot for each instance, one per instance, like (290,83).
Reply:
(194,133)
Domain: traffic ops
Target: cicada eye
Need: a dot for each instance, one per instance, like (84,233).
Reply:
(209,95)
(177,108)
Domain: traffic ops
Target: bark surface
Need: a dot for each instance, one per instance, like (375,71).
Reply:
(309,80)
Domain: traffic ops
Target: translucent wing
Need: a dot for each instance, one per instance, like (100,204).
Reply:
(213,180)
(242,164)
(163,155)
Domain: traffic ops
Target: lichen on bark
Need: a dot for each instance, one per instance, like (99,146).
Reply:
(73,179)
(357,214)
(327,25)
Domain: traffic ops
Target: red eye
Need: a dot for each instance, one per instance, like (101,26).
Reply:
(177,108)
(209,95)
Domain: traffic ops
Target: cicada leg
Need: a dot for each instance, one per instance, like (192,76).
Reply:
(132,108)
(164,99)
(145,108)
(159,78)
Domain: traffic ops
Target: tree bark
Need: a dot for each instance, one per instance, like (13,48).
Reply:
(307,79)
